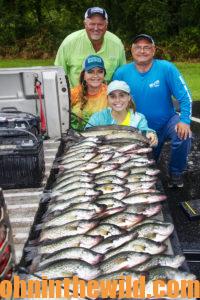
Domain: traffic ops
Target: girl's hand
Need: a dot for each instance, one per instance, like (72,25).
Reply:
(152,136)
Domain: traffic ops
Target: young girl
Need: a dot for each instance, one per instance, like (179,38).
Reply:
(90,95)
(121,111)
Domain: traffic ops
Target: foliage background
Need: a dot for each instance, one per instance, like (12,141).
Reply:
(35,28)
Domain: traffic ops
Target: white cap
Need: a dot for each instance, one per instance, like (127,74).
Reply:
(118,85)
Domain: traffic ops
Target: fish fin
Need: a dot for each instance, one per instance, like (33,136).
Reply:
(38,227)
(35,263)
(31,252)
(45,198)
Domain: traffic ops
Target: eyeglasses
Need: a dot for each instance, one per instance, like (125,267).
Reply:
(144,49)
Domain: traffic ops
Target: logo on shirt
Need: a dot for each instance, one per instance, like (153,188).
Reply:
(154,84)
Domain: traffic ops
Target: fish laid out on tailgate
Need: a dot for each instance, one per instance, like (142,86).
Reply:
(79,240)
(68,229)
(67,268)
(107,230)
(161,260)
(157,232)
(81,253)
(97,221)
(123,260)
(57,208)
(113,242)
(142,245)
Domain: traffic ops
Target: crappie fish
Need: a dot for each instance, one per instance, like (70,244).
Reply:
(80,151)
(69,229)
(112,242)
(62,176)
(79,240)
(145,209)
(85,144)
(145,170)
(117,195)
(140,177)
(123,260)
(110,202)
(110,179)
(130,148)
(106,148)
(161,260)
(136,163)
(84,166)
(87,255)
(132,186)
(57,208)
(119,275)
(71,180)
(103,168)
(57,202)
(114,130)
(109,212)
(75,193)
(72,164)
(118,173)
(142,245)
(68,268)
(154,231)
(127,135)
(144,198)
(123,219)
(82,156)
(103,157)
(90,139)
(121,159)
(72,186)
(69,216)
(106,230)
(109,188)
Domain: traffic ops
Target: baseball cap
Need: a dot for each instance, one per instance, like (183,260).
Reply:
(93,61)
(96,10)
(143,36)
(118,85)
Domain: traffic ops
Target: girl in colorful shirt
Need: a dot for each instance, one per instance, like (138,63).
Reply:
(90,95)
(121,111)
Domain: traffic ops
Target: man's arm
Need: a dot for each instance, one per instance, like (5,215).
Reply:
(182,93)
(117,75)
(122,56)
(61,58)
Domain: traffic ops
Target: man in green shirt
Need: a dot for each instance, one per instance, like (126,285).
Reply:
(94,39)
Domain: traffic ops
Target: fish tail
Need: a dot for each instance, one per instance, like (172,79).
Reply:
(45,198)
(31,253)
(38,227)
(35,263)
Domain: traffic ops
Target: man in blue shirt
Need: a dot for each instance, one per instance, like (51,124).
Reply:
(153,82)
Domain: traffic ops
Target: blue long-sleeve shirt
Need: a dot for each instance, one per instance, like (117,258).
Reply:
(152,91)
(104,117)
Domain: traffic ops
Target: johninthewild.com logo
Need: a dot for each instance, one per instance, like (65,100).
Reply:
(122,287)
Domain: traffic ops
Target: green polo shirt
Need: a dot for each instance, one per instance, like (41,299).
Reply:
(77,46)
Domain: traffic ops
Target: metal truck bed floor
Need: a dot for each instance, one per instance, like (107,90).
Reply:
(22,204)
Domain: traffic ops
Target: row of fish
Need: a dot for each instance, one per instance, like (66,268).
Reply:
(100,218)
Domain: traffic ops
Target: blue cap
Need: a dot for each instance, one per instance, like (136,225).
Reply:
(93,61)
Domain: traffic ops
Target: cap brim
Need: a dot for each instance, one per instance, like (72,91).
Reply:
(143,37)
